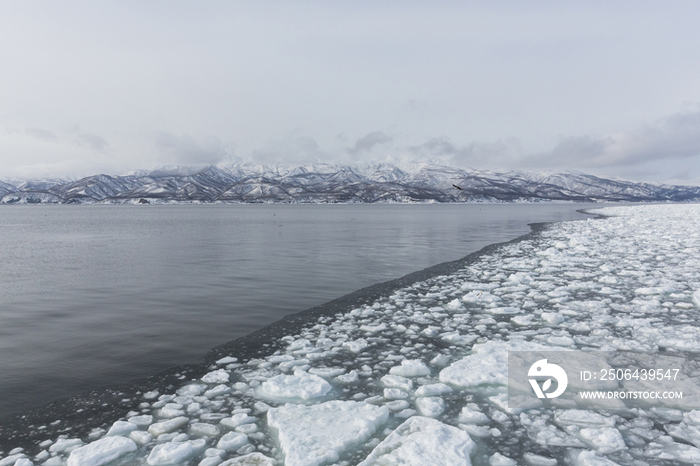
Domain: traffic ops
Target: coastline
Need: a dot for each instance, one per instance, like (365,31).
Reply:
(79,414)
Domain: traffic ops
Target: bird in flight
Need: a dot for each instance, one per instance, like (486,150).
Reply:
(457,187)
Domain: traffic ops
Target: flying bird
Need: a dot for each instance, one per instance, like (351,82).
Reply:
(457,187)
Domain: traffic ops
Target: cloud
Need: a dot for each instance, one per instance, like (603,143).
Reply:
(675,138)
(644,151)
(476,154)
(92,142)
(41,134)
(293,149)
(369,142)
(186,150)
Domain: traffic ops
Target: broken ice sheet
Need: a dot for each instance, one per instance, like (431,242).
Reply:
(626,283)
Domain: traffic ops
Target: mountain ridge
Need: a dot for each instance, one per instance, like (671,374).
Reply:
(330,183)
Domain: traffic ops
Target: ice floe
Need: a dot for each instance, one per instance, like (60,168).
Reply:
(318,434)
(420,441)
(419,375)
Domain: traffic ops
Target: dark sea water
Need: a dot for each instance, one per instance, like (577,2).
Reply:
(96,295)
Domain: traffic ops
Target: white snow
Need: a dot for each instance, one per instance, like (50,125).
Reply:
(217,376)
(421,441)
(232,441)
(164,427)
(433,355)
(410,368)
(433,389)
(397,381)
(251,459)
(300,386)
(101,451)
(317,434)
(488,364)
(174,452)
(603,439)
(499,460)
(430,406)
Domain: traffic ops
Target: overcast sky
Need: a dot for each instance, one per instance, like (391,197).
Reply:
(610,88)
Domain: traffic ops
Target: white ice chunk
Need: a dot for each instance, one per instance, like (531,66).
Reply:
(475,431)
(65,445)
(315,435)
(394,394)
(101,451)
(553,318)
(421,441)
(692,418)
(170,425)
(356,346)
(396,381)
(590,458)
(174,452)
(140,437)
(121,428)
(398,405)
(499,460)
(537,460)
(210,461)
(350,377)
(300,386)
(204,429)
(218,376)
(561,340)
(226,360)
(193,389)
(480,297)
(454,305)
(232,441)
(252,459)
(488,364)
(433,389)
(603,439)
(522,320)
(410,368)
(142,420)
(471,415)
(456,338)
(327,372)
(582,418)
(696,299)
(430,406)
(171,410)
(220,389)
(237,419)
(504,310)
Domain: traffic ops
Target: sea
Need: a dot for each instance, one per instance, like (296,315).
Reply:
(97,295)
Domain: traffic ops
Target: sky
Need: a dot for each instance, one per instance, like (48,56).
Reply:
(608,88)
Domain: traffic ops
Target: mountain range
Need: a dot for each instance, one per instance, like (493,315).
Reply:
(329,183)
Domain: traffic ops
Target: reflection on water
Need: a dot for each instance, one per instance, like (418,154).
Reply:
(94,295)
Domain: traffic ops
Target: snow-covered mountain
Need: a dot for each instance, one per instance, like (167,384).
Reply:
(328,183)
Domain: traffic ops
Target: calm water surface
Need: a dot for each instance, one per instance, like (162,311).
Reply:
(95,295)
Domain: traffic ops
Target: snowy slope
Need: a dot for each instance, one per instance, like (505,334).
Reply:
(329,183)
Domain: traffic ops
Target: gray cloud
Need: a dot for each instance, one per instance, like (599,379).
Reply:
(293,149)
(41,134)
(476,154)
(91,141)
(185,150)
(369,142)
(672,138)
